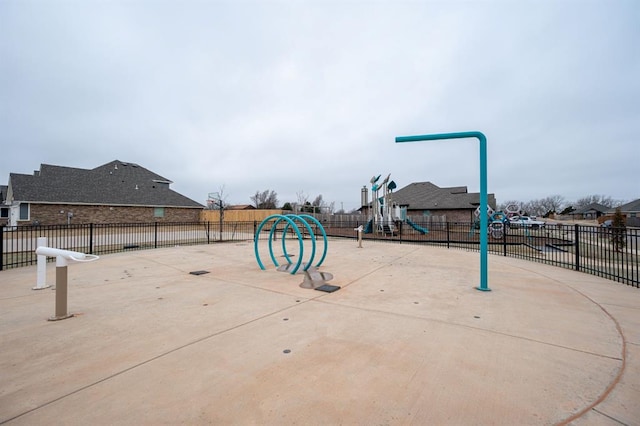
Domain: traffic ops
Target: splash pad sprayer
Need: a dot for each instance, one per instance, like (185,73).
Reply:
(484,285)
(63,258)
(290,223)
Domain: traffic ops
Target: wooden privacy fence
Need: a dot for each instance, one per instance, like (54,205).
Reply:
(252,215)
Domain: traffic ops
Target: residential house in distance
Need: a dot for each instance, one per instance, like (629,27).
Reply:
(116,192)
(427,199)
(631,211)
(591,211)
(4,210)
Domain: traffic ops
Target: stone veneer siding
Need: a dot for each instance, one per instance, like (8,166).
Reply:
(56,214)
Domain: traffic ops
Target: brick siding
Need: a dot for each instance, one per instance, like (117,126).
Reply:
(56,214)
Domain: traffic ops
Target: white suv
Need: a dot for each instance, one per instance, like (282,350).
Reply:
(525,221)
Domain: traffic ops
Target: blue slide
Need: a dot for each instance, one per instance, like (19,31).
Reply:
(369,228)
(418,228)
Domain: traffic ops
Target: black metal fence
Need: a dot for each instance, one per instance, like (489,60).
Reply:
(611,253)
(18,244)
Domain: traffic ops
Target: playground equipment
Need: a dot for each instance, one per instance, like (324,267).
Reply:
(498,221)
(290,224)
(384,214)
(380,217)
(513,210)
(63,257)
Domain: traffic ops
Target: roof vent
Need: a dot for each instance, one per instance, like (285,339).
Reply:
(116,166)
(136,186)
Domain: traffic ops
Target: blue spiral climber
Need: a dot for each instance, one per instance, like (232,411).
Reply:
(291,220)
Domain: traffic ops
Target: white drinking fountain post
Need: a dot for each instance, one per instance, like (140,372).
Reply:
(63,257)
(41,280)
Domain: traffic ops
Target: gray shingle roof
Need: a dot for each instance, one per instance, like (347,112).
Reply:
(592,207)
(114,183)
(633,206)
(427,196)
(3,193)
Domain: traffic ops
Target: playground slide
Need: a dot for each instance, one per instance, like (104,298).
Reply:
(369,227)
(418,228)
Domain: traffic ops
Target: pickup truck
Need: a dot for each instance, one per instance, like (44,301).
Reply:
(525,221)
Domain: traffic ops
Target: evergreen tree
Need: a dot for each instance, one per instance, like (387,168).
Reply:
(618,231)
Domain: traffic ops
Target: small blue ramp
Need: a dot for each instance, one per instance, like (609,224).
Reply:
(418,228)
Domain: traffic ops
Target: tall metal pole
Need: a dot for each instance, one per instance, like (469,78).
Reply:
(484,285)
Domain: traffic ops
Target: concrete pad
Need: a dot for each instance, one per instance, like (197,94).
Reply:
(407,339)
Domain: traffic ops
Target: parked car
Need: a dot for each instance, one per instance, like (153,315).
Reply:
(525,221)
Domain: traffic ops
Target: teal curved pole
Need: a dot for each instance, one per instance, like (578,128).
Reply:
(324,236)
(256,237)
(484,285)
(300,242)
(313,239)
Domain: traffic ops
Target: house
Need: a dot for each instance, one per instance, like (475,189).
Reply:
(4,210)
(116,192)
(590,211)
(427,199)
(241,207)
(631,211)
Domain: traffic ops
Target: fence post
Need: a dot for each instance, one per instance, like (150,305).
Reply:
(1,247)
(255,225)
(448,239)
(155,234)
(91,238)
(400,232)
(504,240)
(576,233)
(208,231)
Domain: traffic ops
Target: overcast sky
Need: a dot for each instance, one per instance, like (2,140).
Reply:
(308,96)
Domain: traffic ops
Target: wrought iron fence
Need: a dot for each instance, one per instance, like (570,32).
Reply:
(611,253)
(18,244)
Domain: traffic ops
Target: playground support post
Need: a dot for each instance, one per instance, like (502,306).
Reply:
(484,285)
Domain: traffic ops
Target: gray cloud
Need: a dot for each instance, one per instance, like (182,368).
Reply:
(296,96)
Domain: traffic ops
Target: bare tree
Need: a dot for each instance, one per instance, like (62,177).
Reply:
(317,204)
(544,206)
(303,200)
(267,199)
(321,206)
(302,197)
(551,204)
(598,199)
(218,201)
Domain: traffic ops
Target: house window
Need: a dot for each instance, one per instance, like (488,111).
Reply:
(24,211)
(4,213)
(158,212)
